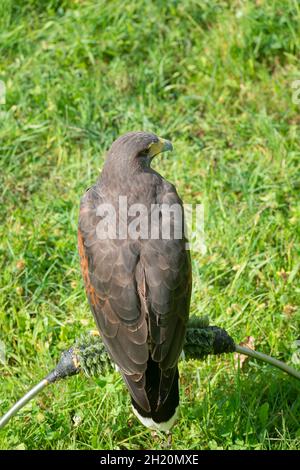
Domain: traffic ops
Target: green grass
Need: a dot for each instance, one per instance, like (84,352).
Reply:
(214,77)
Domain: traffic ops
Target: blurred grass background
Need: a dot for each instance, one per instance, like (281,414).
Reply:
(216,78)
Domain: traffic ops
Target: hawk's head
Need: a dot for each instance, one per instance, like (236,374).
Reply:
(137,148)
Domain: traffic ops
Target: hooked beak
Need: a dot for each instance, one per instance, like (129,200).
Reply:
(162,145)
(167,145)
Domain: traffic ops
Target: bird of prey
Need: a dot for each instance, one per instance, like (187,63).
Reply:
(138,281)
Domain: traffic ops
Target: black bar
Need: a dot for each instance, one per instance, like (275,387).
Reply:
(133,459)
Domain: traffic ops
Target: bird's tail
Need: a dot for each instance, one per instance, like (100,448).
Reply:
(162,390)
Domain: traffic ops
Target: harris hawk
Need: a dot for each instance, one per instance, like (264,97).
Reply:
(138,282)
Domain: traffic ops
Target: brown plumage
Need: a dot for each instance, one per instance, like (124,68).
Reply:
(138,289)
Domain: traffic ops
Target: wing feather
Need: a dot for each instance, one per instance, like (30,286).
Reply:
(139,293)
(108,270)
